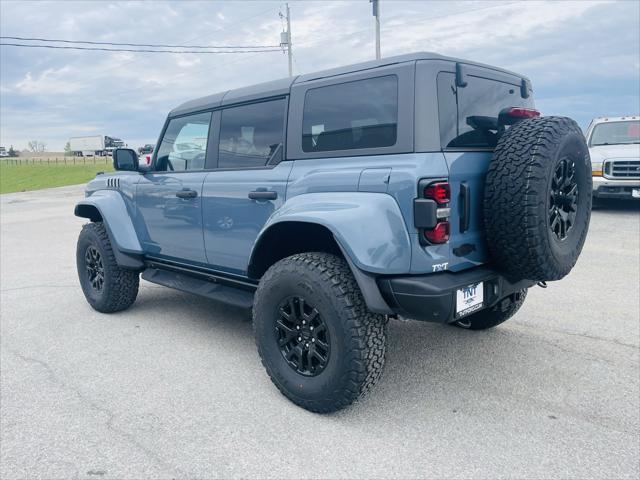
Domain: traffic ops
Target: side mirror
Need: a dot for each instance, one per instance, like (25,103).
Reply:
(125,159)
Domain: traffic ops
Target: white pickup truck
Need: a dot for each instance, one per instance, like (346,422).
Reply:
(614,146)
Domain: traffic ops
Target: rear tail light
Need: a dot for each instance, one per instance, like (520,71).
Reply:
(439,191)
(518,112)
(439,233)
(511,115)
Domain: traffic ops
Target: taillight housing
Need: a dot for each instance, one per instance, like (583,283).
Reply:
(519,112)
(438,191)
(437,231)
(438,234)
(511,115)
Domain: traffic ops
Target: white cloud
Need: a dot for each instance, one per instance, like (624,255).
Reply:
(50,82)
(580,55)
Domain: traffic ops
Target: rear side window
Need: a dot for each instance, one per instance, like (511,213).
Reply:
(353,115)
(469,115)
(447,108)
(184,144)
(252,135)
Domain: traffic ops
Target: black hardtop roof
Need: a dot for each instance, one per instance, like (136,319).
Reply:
(282,86)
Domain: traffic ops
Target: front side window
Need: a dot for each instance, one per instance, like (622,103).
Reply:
(184,145)
(615,133)
(353,115)
(252,135)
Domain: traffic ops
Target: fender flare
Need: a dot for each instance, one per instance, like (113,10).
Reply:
(368,228)
(116,218)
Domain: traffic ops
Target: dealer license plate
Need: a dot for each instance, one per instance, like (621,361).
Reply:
(635,192)
(469,299)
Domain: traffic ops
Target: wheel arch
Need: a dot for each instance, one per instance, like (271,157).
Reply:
(287,238)
(109,208)
(88,211)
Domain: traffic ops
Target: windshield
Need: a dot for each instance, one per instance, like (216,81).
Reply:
(615,133)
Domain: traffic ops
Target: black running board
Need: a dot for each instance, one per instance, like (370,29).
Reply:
(199,286)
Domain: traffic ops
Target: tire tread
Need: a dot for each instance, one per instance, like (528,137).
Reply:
(367,337)
(515,190)
(123,284)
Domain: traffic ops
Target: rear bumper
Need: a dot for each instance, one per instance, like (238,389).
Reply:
(607,188)
(432,297)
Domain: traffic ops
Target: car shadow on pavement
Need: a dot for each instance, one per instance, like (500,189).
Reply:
(430,367)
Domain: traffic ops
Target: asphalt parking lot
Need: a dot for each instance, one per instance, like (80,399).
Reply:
(173,388)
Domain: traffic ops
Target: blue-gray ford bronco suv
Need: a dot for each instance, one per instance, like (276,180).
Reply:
(421,186)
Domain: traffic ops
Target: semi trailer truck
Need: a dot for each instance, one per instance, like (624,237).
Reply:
(101,145)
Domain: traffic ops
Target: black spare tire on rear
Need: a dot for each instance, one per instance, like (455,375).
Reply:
(537,201)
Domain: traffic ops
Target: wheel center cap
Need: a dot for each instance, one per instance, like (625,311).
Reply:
(563,201)
(306,332)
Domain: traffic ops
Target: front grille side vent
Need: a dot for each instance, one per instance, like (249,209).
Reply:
(113,183)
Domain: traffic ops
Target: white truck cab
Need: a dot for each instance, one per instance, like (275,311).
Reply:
(614,146)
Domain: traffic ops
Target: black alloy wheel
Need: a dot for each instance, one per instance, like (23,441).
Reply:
(320,345)
(563,199)
(303,337)
(94,267)
(107,287)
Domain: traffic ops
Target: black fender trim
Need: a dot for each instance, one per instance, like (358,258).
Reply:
(369,288)
(127,260)
(130,261)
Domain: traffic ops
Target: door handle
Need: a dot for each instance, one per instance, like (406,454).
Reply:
(186,193)
(263,195)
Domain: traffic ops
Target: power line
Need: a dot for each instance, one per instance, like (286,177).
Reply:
(59,47)
(157,45)
(108,70)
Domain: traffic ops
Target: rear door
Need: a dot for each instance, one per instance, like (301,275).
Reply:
(248,183)
(468,105)
(169,198)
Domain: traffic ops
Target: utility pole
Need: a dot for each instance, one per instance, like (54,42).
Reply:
(285,41)
(376,13)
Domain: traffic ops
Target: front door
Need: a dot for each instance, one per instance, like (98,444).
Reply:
(169,199)
(248,185)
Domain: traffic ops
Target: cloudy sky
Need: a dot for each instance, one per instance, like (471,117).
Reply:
(582,56)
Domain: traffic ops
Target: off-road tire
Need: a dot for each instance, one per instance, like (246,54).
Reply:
(120,286)
(519,199)
(357,337)
(490,317)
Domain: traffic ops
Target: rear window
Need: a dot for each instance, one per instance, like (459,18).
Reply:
(353,115)
(469,115)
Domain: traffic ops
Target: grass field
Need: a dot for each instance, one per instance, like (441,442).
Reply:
(20,178)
